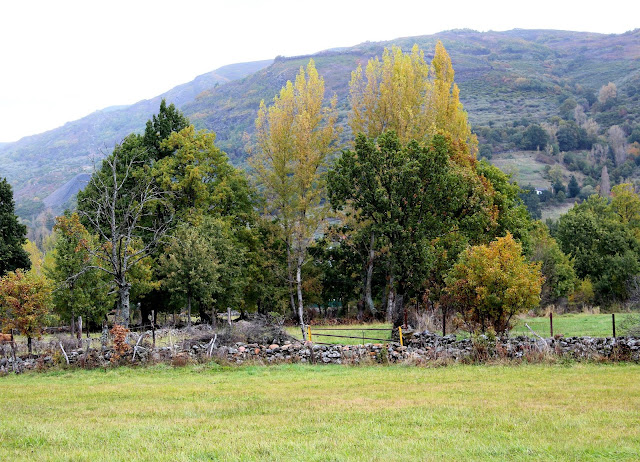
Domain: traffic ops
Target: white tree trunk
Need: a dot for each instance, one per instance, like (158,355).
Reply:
(368,296)
(123,316)
(290,279)
(300,302)
(391,300)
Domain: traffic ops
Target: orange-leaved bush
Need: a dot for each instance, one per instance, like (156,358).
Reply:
(490,284)
(25,299)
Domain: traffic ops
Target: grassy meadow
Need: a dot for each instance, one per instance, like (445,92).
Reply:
(320,413)
(572,325)
(320,335)
(569,325)
(523,167)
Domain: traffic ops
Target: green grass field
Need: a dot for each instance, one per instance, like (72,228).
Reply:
(572,325)
(324,413)
(320,335)
(523,167)
(569,325)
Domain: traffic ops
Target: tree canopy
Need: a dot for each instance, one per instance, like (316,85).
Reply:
(13,234)
(402,93)
(295,137)
(490,284)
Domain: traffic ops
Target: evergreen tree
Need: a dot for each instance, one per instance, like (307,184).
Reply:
(12,233)
(574,187)
(190,268)
(534,138)
(159,128)
(601,239)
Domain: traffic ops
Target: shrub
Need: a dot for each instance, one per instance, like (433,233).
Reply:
(492,283)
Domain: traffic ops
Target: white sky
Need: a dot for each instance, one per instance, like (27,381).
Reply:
(61,60)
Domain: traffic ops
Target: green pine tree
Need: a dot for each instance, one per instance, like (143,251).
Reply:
(12,233)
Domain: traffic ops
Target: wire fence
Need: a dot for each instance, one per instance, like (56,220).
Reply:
(317,332)
(596,325)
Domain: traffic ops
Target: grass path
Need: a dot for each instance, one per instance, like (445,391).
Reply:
(324,413)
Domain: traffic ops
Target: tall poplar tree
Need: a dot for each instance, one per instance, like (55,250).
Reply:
(403,93)
(295,137)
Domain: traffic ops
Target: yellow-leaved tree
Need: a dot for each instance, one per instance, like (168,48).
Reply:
(492,283)
(294,138)
(403,93)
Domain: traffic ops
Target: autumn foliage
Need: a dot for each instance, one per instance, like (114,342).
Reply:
(24,303)
(120,345)
(492,283)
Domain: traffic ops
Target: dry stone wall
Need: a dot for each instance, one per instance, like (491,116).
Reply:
(421,348)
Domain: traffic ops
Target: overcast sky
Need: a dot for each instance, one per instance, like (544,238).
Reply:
(61,60)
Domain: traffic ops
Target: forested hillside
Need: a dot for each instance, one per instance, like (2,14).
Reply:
(508,81)
(42,165)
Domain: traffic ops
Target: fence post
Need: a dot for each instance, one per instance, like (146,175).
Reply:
(309,333)
(551,324)
(400,332)
(613,321)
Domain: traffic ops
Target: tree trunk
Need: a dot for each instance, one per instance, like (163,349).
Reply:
(391,299)
(189,310)
(300,302)
(385,300)
(79,328)
(290,279)
(367,291)
(73,323)
(397,315)
(145,313)
(122,318)
(29,343)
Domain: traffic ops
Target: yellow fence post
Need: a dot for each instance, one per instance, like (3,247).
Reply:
(400,332)
(309,333)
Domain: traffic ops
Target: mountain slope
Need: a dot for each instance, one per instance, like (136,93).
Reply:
(503,77)
(37,165)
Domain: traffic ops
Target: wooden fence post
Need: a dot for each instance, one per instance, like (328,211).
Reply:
(551,323)
(613,321)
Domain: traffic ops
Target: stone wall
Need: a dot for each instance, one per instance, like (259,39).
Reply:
(421,348)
